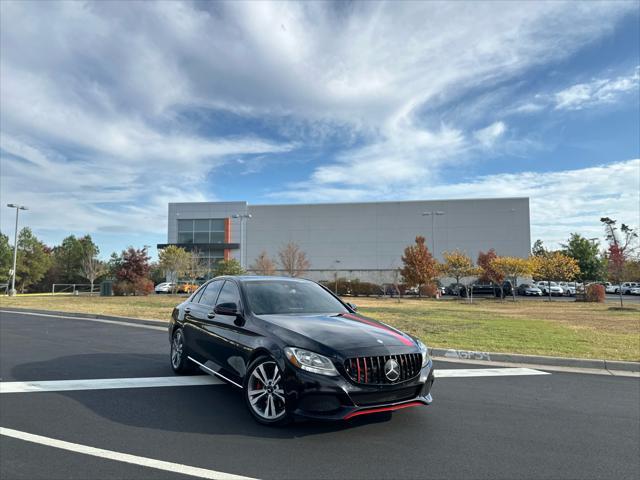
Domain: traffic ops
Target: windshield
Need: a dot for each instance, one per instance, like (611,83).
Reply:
(285,296)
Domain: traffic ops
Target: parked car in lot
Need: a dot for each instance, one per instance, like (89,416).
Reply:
(486,288)
(165,287)
(626,288)
(610,288)
(553,287)
(528,289)
(568,288)
(296,350)
(635,291)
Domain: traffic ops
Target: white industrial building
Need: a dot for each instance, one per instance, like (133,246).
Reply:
(359,240)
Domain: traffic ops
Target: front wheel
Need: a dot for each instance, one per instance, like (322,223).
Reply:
(264,392)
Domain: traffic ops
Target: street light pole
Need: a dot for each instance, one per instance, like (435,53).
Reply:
(12,292)
(433,227)
(243,237)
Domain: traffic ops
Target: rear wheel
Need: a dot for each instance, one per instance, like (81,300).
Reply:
(179,361)
(264,392)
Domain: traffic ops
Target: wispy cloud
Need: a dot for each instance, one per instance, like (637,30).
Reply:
(598,91)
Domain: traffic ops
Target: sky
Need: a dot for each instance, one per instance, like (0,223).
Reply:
(110,110)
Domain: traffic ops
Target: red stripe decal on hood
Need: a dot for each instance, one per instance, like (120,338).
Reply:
(402,338)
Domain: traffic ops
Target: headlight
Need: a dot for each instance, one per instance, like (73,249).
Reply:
(310,361)
(425,352)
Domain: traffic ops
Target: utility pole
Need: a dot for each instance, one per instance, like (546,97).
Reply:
(12,292)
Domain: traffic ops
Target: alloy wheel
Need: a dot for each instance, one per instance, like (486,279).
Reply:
(177,346)
(265,392)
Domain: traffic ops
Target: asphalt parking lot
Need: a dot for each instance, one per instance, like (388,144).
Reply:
(527,424)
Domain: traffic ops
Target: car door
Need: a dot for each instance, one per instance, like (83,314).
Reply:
(220,337)
(197,314)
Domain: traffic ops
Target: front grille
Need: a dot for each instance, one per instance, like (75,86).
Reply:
(370,370)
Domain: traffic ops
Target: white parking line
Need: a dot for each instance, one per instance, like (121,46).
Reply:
(106,384)
(486,372)
(176,381)
(121,457)
(84,319)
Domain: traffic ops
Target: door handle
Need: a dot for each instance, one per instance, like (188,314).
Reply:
(211,315)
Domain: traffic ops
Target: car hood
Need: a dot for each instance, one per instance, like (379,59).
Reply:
(341,332)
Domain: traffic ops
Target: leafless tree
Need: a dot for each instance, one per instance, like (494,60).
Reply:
(91,267)
(293,260)
(263,265)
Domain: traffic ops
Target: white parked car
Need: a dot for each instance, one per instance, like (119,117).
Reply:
(635,291)
(611,288)
(165,287)
(626,288)
(546,286)
(568,288)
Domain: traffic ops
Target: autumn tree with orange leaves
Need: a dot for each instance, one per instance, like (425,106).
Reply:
(420,268)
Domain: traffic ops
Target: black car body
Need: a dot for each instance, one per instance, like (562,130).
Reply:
(224,330)
(486,289)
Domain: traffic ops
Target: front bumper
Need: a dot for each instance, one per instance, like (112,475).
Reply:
(321,397)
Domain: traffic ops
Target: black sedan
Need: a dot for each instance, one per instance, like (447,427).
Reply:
(296,350)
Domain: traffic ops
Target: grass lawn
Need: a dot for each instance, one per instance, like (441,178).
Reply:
(570,329)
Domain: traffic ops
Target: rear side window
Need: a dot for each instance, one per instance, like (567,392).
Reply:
(211,293)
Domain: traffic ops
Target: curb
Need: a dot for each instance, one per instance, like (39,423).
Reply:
(442,353)
(140,321)
(596,364)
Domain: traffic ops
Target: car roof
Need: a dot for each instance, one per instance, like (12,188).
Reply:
(262,278)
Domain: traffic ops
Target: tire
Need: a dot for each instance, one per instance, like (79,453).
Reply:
(264,393)
(180,364)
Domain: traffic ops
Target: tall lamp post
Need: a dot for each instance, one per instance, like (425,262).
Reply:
(243,237)
(433,215)
(12,292)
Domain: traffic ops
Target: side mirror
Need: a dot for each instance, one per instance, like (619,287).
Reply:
(226,309)
(352,306)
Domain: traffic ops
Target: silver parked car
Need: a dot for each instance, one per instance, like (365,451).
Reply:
(552,287)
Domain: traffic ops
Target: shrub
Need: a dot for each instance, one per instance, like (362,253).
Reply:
(365,288)
(429,290)
(141,286)
(595,293)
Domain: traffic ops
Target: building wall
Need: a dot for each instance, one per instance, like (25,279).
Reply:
(366,240)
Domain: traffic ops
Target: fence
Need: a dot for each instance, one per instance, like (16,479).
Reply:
(74,289)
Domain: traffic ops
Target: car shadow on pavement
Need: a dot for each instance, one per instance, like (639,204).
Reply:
(207,409)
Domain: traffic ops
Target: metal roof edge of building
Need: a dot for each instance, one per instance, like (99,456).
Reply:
(369,202)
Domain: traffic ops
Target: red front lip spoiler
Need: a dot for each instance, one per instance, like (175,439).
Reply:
(382,409)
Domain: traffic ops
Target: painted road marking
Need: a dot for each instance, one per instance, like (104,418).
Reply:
(486,372)
(195,380)
(106,384)
(121,457)
(97,320)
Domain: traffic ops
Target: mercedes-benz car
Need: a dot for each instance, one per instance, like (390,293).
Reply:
(297,350)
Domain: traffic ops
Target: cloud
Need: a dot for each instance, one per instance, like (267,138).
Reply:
(561,202)
(489,135)
(105,104)
(598,91)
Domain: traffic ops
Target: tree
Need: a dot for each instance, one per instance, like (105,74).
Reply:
(538,248)
(69,257)
(489,273)
(263,265)
(554,266)
(133,272)
(512,268)
(113,265)
(620,247)
(33,259)
(6,258)
(92,267)
(585,252)
(293,260)
(198,266)
(456,265)
(175,262)
(229,267)
(420,268)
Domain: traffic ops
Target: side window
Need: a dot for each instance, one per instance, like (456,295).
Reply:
(229,294)
(210,294)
